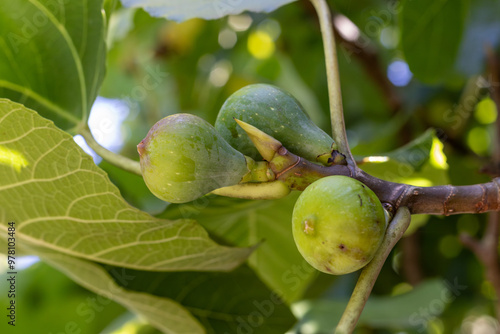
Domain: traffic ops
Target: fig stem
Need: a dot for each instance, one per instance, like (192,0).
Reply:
(257,171)
(118,160)
(369,274)
(333,79)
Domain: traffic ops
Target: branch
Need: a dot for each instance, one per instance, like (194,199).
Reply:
(370,60)
(113,158)
(333,78)
(494,71)
(411,251)
(486,250)
(369,275)
(439,200)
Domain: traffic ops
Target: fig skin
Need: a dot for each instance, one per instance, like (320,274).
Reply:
(278,114)
(183,158)
(338,224)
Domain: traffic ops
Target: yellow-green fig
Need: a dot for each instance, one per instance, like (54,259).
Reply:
(183,158)
(338,224)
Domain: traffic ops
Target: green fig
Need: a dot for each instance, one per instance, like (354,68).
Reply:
(338,224)
(183,158)
(280,115)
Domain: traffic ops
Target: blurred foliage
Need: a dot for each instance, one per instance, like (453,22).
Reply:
(160,67)
(49,302)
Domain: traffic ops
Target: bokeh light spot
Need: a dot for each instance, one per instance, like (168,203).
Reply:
(105,123)
(227,38)
(239,22)
(260,45)
(486,111)
(399,73)
(479,140)
(220,73)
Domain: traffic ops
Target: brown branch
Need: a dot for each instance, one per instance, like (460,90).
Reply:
(439,200)
(486,250)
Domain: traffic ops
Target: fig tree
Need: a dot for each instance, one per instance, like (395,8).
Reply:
(183,158)
(280,115)
(338,224)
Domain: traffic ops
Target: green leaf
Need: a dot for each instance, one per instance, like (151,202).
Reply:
(413,155)
(163,313)
(241,222)
(421,163)
(400,311)
(59,199)
(431,32)
(52,56)
(182,10)
(234,302)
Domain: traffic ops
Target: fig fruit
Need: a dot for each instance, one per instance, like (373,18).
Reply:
(277,113)
(183,158)
(338,224)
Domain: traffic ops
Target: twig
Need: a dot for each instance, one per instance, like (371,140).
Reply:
(410,249)
(113,158)
(494,70)
(333,78)
(370,60)
(369,275)
(486,250)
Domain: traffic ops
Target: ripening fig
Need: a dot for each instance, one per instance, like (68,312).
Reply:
(277,113)
(338,224)
(183,158)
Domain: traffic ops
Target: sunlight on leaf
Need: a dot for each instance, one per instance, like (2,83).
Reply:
(418,181)
(437,158)
(375,159)
(12,158)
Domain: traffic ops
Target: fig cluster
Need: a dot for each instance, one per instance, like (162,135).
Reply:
(338,222)
(183,157)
